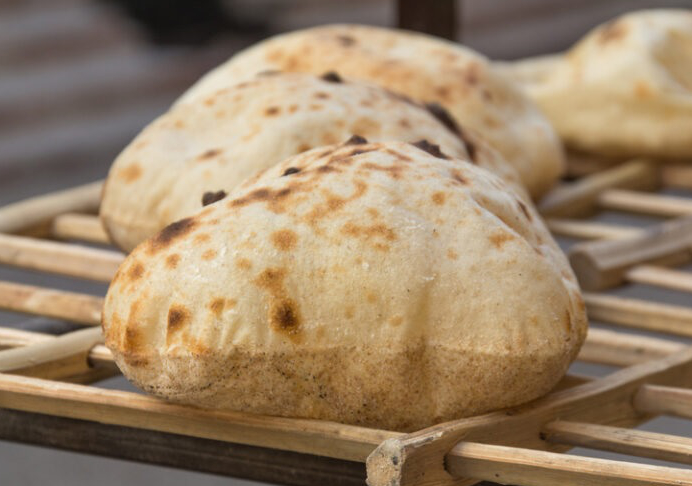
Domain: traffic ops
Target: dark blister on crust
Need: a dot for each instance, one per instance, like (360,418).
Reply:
(355,140)
(170,233)
(332,77)
(291,170)
(430,148)
(212,197)
(444,117)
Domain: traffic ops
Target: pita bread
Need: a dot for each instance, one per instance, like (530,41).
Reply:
(346,281)
(423,68)
(625,89)
(210,145)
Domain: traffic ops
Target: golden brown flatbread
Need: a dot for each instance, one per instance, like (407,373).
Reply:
(346,281)
(421,67)
(210,145)
(623,90)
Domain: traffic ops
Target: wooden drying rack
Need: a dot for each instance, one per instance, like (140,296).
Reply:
(46,397)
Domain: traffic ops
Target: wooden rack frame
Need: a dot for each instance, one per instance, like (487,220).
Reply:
(46,397)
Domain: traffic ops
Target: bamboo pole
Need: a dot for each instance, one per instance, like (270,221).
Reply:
(99,355)
(589,230)
(62,258)
(664,447)
(64,358)
(134,410)
(641,314)
(34,211)
(664,400)
(75,226)
(71,306)
(580,198)
(603,264)
(510,465)
(641,202)
(66,345)
(624,349)
(660,277)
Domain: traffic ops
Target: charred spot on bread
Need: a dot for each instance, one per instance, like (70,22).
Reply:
(524,209)
(178,315)
(430,148)
(291,170)
(457,176)
(172,260)
(470,146)
(284,316)
(272,111)
(130,173)
(356,140)
(439,198)
(443,116)
(332,77)
(284,239)
(211,197)
(171,232)
(499,238)
(209,154)
(345,40)
(135,271)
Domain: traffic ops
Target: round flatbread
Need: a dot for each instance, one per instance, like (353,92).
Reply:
(623,90)
(346,281)
(209,145)
(421,67)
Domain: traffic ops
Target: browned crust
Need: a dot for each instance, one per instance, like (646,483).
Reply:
(368,386)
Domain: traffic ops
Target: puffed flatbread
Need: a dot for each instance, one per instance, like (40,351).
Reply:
(345,283)
(623,90)
(203,148)
(421,67)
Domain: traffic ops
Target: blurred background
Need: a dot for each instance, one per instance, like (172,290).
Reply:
(79,78)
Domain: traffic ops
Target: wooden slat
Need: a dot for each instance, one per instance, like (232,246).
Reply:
(660,277)
(75,226)
(624,349)
(63,349)
(641,202)
(603,397)
(664,447)
(70,306)
(99,355)
(132,410)
(579,198)
(179,451)
(602,264)
(34,211)
(509,465)
(590,230)
(63,258)
(665,400)
(640,314)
